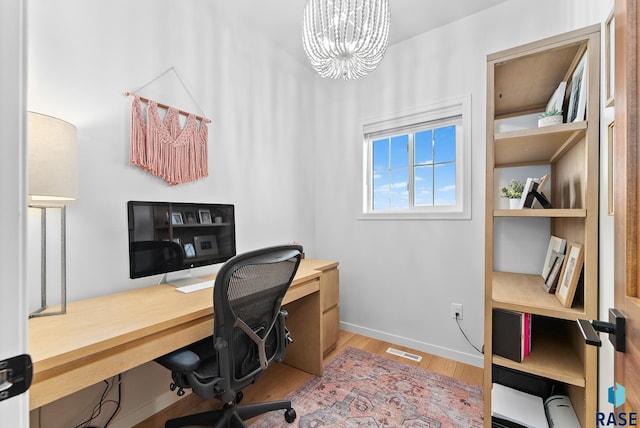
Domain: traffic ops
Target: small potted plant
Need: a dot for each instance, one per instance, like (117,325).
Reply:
(513,192)
(550,117)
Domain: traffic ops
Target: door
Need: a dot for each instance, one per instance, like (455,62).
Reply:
(13,307)
(626,201)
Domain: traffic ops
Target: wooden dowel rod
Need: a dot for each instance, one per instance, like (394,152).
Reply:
(185,113)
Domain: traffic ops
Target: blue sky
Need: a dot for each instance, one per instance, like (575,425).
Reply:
(433,166)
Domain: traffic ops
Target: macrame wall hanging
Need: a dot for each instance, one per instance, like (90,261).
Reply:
(164,147)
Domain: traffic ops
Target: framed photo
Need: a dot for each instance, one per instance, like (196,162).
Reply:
(177,241)
(556,247)
(557,99)
(609,67)
(551,281)
(190,217)
(176,218)
(189,250)
(541,186)
(578,97)
(205,245)
(527,199)
(205,216)
(570,274)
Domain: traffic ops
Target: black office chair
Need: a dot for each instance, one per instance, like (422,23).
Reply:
(249,334)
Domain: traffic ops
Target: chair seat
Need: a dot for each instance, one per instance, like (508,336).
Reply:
(208,369)
(198,357)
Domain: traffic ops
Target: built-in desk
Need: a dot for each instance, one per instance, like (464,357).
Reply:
(100,337)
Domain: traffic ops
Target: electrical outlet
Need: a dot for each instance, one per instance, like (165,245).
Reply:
(456,309)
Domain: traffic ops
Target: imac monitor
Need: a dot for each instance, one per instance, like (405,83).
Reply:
(166,236)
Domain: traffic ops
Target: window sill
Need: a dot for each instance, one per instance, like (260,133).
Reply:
(448,215)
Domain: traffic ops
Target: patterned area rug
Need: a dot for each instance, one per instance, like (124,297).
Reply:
(361,389)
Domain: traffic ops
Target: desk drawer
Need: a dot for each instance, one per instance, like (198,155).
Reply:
(329,288)
(330,329)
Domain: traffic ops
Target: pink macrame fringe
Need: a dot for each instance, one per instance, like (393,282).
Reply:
(177,155)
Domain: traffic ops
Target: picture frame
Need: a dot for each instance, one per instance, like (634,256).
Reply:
(190,217)
(177,241)
(189,250)
(176,218)
(557,99)
(578,96)
(542,183)
(205,245)
(527,199)
(551,281)
(570,274)
(205,216)
(609,58)
(556,246)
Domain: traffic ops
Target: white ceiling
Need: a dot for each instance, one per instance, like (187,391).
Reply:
(281,20)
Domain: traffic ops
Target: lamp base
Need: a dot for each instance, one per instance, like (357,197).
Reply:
(40,312)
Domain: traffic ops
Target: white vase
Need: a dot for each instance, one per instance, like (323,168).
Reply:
(549,120)
(514,204)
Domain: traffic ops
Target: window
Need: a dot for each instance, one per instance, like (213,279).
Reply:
(416,165)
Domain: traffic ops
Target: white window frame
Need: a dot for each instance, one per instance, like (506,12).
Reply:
(456,111)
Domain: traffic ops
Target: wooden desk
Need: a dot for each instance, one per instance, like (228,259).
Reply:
(100,337)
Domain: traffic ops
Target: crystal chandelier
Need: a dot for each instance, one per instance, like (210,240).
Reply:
(345,38)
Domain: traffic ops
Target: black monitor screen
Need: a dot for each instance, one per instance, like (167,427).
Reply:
(171,236)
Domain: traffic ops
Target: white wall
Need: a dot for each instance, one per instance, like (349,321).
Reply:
(285,147)
(84,55)
(399,278)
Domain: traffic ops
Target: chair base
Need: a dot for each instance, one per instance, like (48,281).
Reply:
(232,416)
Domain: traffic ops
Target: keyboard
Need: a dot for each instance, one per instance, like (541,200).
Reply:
(196,286)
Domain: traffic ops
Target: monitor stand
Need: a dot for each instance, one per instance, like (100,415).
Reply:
(189,285)
(181,280)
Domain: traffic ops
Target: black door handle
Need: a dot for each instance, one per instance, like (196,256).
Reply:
(15,376)
(615,327)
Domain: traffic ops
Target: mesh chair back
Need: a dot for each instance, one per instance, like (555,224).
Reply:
(247,300)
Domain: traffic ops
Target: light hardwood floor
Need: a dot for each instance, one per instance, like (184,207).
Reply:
(281,379)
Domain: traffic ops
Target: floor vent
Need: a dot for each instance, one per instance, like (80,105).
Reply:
(403,354)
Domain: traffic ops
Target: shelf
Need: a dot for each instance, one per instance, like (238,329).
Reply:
(525,83)
(524,293)
(186,225)
(175,226)
(536,145)
(551,357)
(544,213)
(520,83)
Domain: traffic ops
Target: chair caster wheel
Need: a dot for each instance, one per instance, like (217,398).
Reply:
(290,415)
(180,392)
(239,397)
(173,387)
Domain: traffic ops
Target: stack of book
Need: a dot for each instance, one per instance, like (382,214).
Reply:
(511,334)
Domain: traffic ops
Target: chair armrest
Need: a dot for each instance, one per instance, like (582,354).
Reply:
(182,360)
(283,335)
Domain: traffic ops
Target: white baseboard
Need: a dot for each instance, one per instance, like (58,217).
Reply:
(473,360)
(159,403)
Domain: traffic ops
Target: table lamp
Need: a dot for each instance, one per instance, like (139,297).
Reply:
(53,182)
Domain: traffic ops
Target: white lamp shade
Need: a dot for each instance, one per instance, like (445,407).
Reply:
(53,159)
